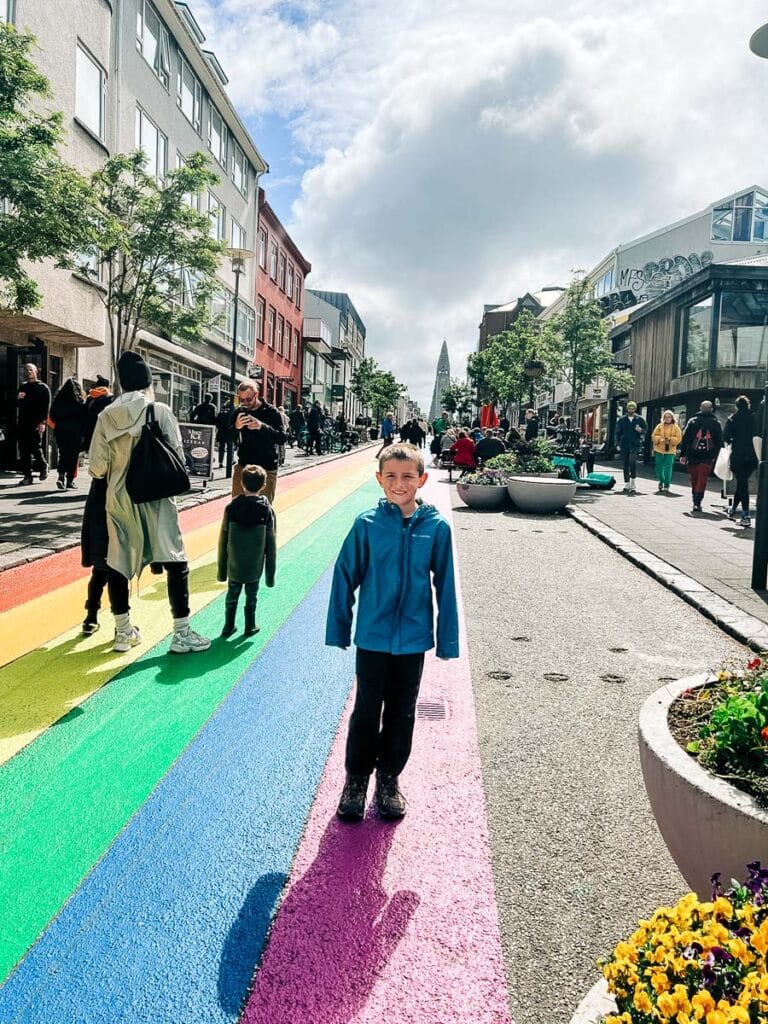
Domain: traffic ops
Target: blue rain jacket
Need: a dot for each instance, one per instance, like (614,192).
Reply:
(394,564)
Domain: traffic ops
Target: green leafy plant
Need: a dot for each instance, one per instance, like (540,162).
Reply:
(525,457)
(488,476)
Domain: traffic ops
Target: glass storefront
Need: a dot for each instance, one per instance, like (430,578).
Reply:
(696,329)
(175,384)
(742,340)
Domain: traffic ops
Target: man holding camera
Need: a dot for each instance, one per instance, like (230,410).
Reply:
(261,432)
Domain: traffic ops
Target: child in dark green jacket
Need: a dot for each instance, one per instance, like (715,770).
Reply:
(247,548)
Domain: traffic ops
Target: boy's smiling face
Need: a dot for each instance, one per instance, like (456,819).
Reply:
(400,480)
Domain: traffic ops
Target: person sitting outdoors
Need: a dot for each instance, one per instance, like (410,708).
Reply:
(490,446)
(463,451)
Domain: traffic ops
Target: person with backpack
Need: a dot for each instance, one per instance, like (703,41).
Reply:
(630,437)
(702,440)
(740,431)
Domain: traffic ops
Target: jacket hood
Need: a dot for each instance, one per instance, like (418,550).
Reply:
(125,415)
(246,511)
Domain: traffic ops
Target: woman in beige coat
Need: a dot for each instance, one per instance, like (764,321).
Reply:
(145,533)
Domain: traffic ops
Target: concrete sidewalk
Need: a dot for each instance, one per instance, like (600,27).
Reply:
(35,521)
(703,556)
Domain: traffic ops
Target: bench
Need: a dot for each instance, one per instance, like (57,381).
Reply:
(446,462)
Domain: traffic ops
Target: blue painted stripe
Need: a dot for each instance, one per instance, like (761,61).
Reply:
(169,926)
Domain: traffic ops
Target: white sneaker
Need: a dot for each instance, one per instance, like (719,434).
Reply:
(187,641)
(632,488)
(125,639)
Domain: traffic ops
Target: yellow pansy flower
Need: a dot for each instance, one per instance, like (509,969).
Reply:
(641,1000)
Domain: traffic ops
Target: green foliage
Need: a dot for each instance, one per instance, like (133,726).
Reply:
(158,256)
(374,388)
(502,363)
(477,372)
(44,204)
(525,457)
(457,397)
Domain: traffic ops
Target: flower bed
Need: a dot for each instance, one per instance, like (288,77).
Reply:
(525,458)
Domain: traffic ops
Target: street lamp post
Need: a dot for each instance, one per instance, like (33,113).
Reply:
(758,44)
(238,257)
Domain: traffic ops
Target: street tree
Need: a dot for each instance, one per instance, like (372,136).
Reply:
(44,203)
(508,354)
(376,389)
(361,381)
(477,373)
(457,397)
(577,348)
(157,253)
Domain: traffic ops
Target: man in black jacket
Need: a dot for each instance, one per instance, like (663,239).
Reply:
(315,428)
(205,412)
(34,404)
(702,440)
(261,431)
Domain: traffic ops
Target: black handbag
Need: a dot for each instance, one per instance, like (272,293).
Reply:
(155,471)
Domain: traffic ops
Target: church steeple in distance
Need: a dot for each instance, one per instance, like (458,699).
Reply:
(442,380)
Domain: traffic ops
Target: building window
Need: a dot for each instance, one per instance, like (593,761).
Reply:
(217,136)
(742,340)
(218,218)
(237,235)
(271,328)
(261,308)
(263,248)
(743,219)
(7,10)
(190,198)
(289,281)
(281,272)
(695,334)
(604,284)
(280,330)
(153,41)
(239,168)
(90,92)
(189,94)
(288,336)
(245,325)
(87,263)
(296,348)
(153,142)
(273,261)
(298,291)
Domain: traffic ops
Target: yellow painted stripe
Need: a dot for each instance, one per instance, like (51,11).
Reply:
(51,681)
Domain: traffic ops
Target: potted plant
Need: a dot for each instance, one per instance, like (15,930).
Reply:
(484,489)
(526,458)
(704,756)
(699,961)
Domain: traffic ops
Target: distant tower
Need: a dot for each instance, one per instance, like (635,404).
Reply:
(442,380)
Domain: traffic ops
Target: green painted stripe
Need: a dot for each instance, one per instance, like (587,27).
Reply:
(66,797)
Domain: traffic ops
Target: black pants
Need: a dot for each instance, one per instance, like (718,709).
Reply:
(381,727)
(741,496)
(221,448)
(68,456)
(31,450)
(316,441)
(629,463)
(233,596)
(116,588)
(178,589)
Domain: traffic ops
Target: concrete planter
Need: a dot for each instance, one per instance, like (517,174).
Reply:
(482,496)
(540,494)
(595,1005)
(707,824)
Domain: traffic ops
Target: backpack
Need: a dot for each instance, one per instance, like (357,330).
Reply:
(702,442)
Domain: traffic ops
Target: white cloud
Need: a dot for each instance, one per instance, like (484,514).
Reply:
(466,153)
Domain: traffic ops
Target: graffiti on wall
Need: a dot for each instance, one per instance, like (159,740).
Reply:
(656,277)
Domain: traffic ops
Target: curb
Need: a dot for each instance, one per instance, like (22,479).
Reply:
(732,620)
(203,498)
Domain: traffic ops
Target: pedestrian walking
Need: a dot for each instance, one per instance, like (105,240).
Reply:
(740,432)
(392,557)
(630,437)
(531,425)
(247,549)
(206,412)
(463,451)
(702,440)
(435,449)
(424,428)
(34,403)
(260,429)
(666,438)
(67,417)
(315,421)
(387,433)
(148,533)
(225,432)
(99,397)
(286,430)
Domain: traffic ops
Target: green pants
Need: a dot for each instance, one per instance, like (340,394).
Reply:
(664,463)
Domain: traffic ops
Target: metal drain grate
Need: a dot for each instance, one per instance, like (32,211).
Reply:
(619,650)
(555,677)
(498,674)
(521,639)
(432,710)
(611,677)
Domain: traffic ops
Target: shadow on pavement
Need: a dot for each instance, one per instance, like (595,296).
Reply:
(335,931)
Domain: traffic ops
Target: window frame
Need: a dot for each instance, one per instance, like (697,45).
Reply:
(263,241)
(295,359)
(241,242)
(193,199)
(261,317)
(298,286)
(163,74)
(9,18)
(221,156)
(238,151)
(81,48)
(280,334)
(735,211)
(273,253)
(281,265)
(221,233)
(271,325)
(196,120)
(684,319)
(141,116)
(290,276)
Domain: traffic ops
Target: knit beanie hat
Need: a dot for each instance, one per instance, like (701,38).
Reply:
(133,373)
(101,382)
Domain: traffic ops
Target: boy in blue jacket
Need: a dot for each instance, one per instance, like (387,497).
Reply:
(394,555)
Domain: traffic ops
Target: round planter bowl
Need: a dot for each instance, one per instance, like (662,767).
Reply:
(482,496)
(540,494)
(595,1005)
(707,824)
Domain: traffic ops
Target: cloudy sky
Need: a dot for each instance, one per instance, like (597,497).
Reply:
(431,156)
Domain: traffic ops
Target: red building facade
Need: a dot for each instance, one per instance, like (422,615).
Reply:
(279,302)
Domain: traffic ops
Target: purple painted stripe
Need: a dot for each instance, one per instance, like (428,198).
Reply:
(395,924)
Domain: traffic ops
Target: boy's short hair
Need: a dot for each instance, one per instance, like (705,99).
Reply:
(254,479)
(403,452)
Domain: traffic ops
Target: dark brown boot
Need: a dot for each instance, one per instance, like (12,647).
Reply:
(390,802)
(352,803)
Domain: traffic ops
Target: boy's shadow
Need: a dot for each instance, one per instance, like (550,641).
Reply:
(334,933)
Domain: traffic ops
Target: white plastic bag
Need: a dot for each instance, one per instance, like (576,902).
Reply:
(723,464)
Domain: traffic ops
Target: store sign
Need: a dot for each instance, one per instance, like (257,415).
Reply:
(337,391)
(197,442)
(255,372)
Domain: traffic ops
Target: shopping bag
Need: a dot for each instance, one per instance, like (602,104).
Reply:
(723,464)
(155,471)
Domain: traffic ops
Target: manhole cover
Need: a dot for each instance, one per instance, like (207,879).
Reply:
(521,639)
(611,677)
(556,677)
(434,710)
(618,650)
(498,674)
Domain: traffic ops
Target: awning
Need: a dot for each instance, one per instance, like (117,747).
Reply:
(25,323)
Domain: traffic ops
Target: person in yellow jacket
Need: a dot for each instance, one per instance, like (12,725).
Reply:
(666,438)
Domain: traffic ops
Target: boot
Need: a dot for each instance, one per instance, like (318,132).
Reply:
(229,620)
(390,802)
(251,629)
(352,802)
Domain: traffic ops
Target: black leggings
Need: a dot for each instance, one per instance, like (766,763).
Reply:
(68,456)
(178,589)
(741,497)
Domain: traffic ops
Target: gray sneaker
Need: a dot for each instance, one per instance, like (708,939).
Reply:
(125,639)
(187,641)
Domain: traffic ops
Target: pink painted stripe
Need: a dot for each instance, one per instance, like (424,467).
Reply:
(395,924)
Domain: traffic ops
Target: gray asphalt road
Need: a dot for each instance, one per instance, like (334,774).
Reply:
(577,856)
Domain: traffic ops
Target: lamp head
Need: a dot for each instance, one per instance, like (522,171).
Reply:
(758,42)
